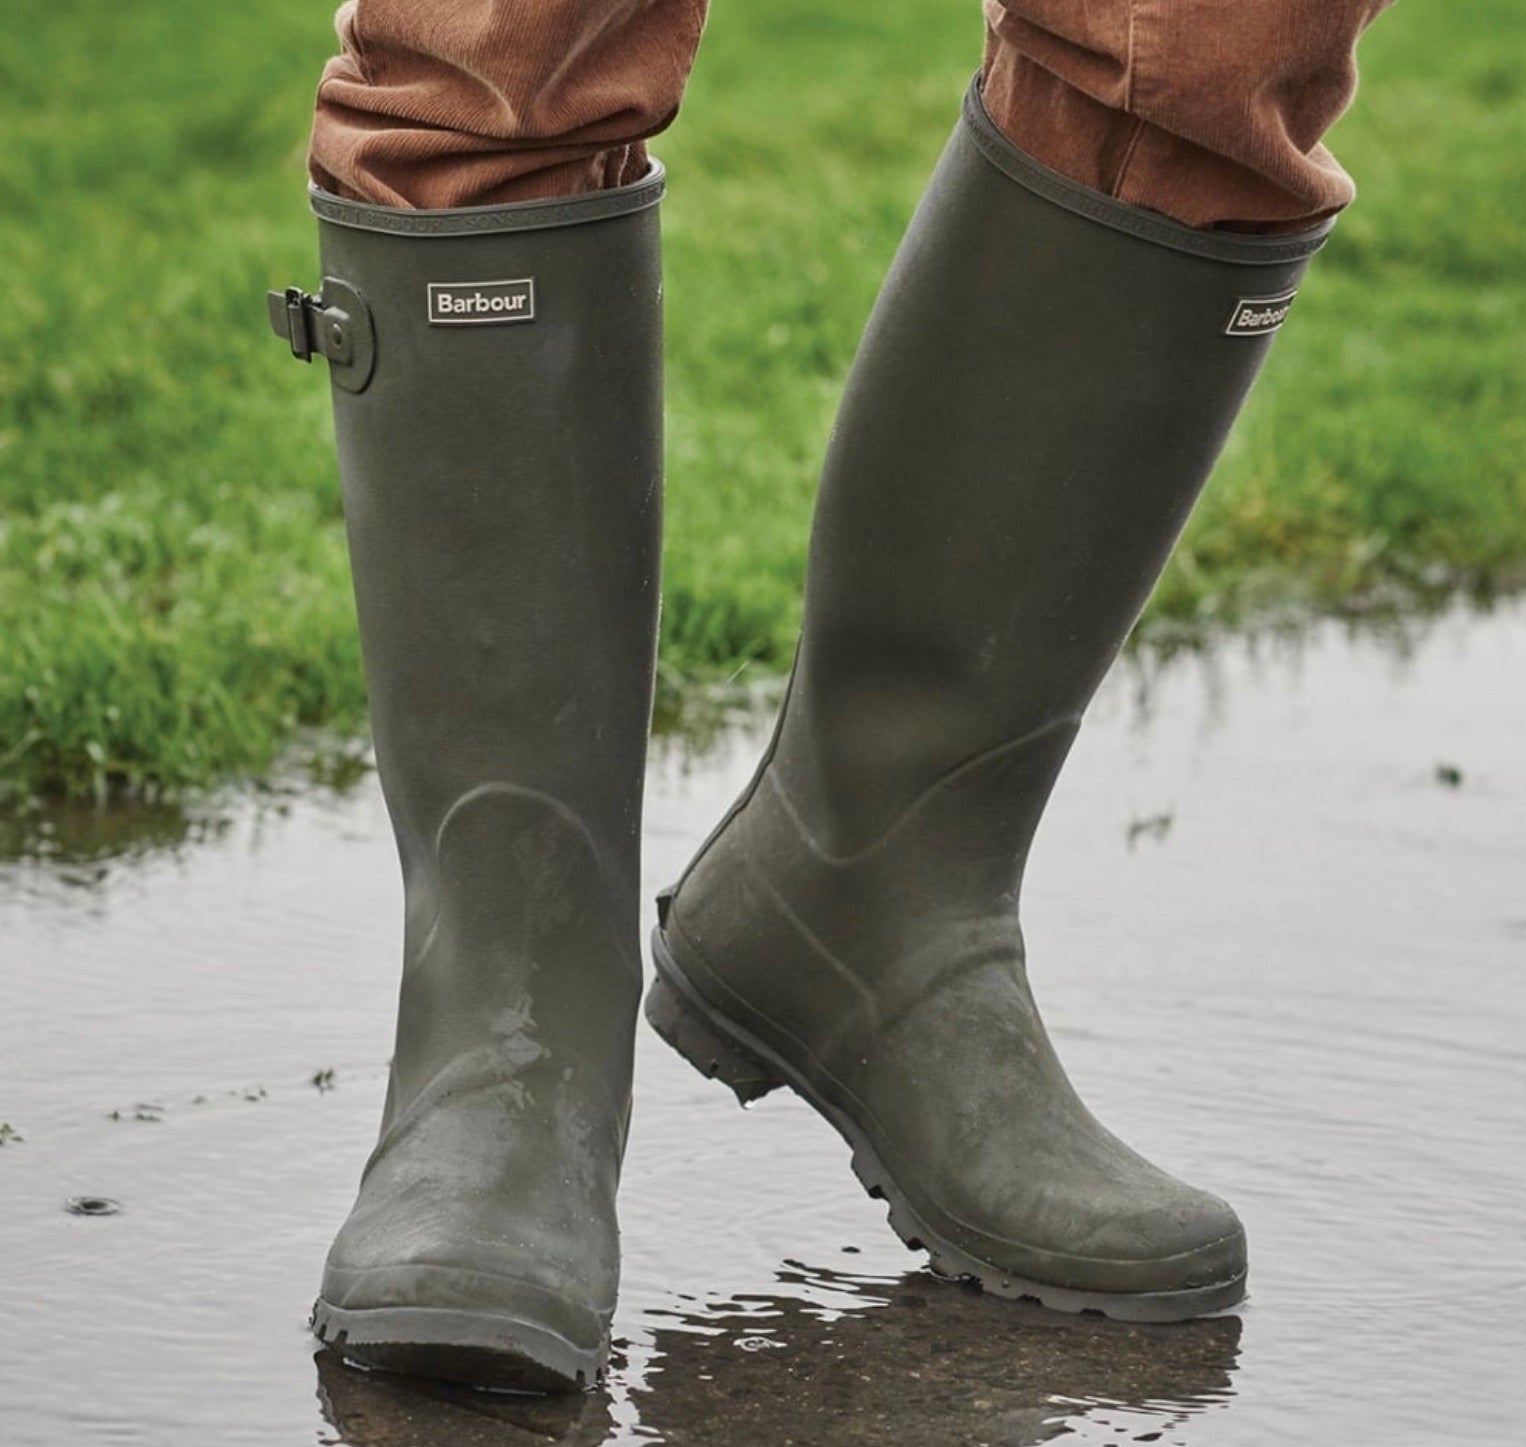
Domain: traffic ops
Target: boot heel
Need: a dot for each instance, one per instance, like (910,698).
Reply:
(709,1050)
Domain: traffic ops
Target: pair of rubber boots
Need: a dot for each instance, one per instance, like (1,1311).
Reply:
(1039,396)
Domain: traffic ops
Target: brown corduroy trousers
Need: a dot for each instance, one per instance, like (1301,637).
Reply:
(1210,111)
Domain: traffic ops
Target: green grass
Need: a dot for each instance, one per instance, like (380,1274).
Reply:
(174,605)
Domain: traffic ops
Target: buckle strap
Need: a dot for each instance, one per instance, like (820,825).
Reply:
(309,325)
(334,324)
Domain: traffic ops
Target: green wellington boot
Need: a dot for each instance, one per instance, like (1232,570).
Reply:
(1042,389)
(497,402)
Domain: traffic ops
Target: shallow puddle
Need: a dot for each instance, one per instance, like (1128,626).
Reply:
(1277,920)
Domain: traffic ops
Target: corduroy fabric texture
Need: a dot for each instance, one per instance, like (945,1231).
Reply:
(1209,111)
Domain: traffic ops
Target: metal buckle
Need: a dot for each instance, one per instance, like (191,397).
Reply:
(297,304)
(335,324)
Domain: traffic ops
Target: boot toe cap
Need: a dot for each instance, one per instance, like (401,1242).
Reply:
(1178,1239)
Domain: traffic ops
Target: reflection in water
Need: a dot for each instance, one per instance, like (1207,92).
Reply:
(84,837)
(832,1358)
(83,834)
(915,1359)
(375,1409)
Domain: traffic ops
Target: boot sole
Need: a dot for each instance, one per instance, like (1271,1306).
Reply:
(722,1050)
(479,1349)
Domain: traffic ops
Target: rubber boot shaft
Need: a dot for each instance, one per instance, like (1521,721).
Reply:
(501,469)
(1040,394)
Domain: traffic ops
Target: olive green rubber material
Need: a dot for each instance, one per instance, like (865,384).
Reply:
(722,1050)
(502,496)
(1039,396)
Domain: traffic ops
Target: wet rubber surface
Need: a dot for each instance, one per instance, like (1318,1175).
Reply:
(1276,919)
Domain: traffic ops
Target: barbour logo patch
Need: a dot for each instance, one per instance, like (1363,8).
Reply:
(478,303)
(1255,316)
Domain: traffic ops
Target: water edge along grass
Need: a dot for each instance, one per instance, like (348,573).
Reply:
(174,601)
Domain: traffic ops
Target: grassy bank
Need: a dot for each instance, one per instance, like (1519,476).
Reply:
(173,596)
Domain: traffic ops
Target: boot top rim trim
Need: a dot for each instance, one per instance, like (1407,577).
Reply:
(539,215)
(1238,248)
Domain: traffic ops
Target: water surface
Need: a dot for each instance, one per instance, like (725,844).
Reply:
(1277,921)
